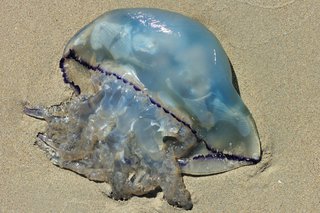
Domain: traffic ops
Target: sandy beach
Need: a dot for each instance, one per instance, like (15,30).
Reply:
(274,48)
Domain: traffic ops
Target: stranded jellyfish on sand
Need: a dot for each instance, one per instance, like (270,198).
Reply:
(155,99)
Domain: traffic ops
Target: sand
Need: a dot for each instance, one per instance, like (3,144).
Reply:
(274,47)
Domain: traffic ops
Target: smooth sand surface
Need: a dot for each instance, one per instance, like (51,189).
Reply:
(275,50)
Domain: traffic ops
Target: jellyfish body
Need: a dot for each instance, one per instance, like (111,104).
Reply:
(155,99)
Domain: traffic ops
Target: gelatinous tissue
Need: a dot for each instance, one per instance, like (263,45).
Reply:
(155,99)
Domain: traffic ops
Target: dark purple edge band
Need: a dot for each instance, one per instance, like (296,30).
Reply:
(219,156)
(215,153)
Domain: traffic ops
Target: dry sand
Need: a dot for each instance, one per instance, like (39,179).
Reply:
(274,47)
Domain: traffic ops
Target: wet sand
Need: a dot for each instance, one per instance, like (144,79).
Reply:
(274,47)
